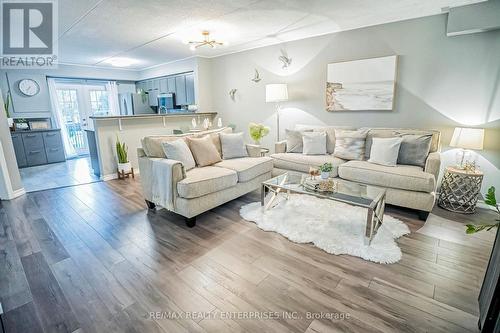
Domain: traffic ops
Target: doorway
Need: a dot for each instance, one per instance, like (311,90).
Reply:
(73,103)
(77,102)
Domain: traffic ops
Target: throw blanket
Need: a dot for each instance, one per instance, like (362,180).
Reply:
(162,182)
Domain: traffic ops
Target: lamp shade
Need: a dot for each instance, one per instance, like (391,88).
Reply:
(276,92)
(468,138)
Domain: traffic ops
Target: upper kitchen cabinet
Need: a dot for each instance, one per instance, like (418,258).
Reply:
(171,84)
(180,90)
(30,95)
(190,89)
(182,85)
(163,86)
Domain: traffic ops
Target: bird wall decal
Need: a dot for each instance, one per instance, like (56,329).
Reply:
(256,77)
(232,93)
(286,61)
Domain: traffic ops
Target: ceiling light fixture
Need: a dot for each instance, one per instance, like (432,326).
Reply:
(206,41)
(120,62)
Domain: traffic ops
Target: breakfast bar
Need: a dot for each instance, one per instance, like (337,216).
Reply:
(130,129)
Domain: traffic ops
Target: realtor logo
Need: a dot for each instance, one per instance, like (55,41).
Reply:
(29,33)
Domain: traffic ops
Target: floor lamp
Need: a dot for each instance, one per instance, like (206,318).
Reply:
(276,93)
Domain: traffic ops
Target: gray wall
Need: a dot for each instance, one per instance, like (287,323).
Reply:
(442,82)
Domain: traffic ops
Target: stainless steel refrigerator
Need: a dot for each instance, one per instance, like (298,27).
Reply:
(131,104)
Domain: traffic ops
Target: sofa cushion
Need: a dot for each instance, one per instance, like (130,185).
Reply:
(329,130)
(391,132)
(248,167)
(406,177)
(205,180)
(232,145)
(204,151)
(153,148)
(350,145)
(301,163)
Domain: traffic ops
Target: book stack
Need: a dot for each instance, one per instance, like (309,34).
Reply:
(320,185)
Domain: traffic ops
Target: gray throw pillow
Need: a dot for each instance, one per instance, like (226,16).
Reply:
(314,143)
(232,145)
(414,149)
(178,150)
(350,145)
(294,141)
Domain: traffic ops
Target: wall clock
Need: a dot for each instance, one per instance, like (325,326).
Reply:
(29,87)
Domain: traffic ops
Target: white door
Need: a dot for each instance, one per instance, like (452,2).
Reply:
(78,102)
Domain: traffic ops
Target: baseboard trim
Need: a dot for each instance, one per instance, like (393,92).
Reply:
(18,193)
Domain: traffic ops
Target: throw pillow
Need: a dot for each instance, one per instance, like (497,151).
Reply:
(178,150)
(384,151)
(314,143)
(232,145)
(350,145)
(204,151)
(414,149)
(294,142)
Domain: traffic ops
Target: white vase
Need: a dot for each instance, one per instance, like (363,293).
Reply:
(125,167)
(325,174)
(10,121)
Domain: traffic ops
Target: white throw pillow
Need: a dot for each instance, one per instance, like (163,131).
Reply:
(232,145)
(178,150)
(314,143)
(384,151)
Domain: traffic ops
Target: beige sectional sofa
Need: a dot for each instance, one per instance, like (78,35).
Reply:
(407,186)
(202,188)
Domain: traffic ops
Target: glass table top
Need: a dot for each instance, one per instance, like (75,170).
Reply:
(348,192)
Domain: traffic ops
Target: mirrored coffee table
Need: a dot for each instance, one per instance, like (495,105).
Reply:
(370,197)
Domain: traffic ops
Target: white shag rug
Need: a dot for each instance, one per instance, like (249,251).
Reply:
(334,227)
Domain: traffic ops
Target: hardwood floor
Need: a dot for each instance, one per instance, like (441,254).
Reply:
(92,258)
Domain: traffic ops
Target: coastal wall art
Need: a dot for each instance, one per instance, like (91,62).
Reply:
(361,85)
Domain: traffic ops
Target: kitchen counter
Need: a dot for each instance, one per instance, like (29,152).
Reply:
(130,130)
(163,115)
(35,131)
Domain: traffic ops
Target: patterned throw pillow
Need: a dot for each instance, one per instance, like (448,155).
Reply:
(414,149)
(350,145)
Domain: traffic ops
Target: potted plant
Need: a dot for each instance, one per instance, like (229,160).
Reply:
(325,170)
(6,106)
(257,132)
(122,153)
(490,200)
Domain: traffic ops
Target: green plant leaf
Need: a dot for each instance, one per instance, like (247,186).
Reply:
(490,198)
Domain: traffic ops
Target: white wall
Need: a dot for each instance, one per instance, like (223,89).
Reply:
(442,82)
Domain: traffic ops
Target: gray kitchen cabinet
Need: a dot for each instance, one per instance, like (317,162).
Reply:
(163,86)
(34,148)
(190,89)
(17,140)
(171,84)
(180,90)
(38,147)
(153,97)
(54,148)
(156,84)
(149,84)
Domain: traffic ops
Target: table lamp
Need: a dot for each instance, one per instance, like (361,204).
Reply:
(466,139)
(276,93)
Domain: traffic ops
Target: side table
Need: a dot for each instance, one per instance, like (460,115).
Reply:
(460,190)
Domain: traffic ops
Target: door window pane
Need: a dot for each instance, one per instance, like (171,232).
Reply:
(99,102)
(68,104)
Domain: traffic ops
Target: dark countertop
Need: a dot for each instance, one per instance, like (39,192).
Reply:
(155,115)
(36,131)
